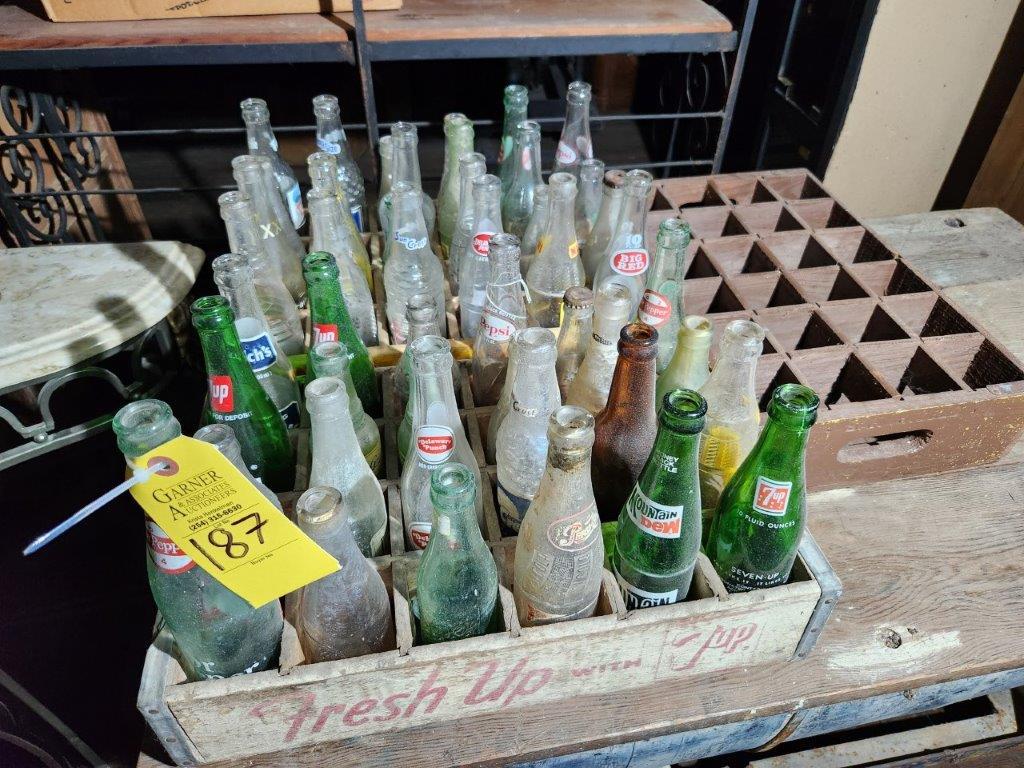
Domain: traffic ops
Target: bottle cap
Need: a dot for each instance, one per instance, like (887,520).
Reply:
(578,297)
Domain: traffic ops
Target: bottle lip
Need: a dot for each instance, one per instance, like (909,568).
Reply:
(211,312)
(612,300)
(794,400)
(674,232)
(578,92)
(452,481)
(562,184)
(488,183)
(230,265)
(638,182)
(516,94)
(592,169)
(325,393)
(141,419)
(638,341)
(535,343)
(245,163)
(318,504)
(430,352)
(326,105)
(221,436)
(695,332)
(319,263)
(254,110)
(744,336)
(455,121)
(578,297)
(232,199)
(687,406)
(615,178)
(571,427)
(333,351)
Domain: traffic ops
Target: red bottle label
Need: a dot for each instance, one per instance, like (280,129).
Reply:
(630,262)
(482,243)
(324,332)
(420,534)
(527,159)
(496,328)
(222,394)
(771,497)
(574,533)
(435,443)
(167,556)
(655,308)
(565,154)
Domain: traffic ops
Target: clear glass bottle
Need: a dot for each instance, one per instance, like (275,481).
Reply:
(405,166)
(277,303)
(255,178)
(589,390)
(458,134)
(216,632)
(556,266)
(575,144)
(338,461)
(612,195)
(733,416)
(273,369)
(323,176)
(330,358)
(517,198)
(475,269)
(330,138)
(588,198)
(261,141)
(536,228)
(386,153)
(457,581)
(413,266)
(689,366)
(504,404)
(560,553)
(661,306)
(574,336)
(471,167)
(503,315)
(347,613)
(222,437)
(627,258)
(422,317)
(522,443)
(517,100)
(438,437)
(327,223)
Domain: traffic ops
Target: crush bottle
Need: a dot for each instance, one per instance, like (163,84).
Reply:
(338,461)
(255,178)
(763,510)
(405,166)
(330,358)
(588,198)
(504,314)
(330,321)
(471,167)
(457,581)
(626,258)
(522,442)
(236,397)
(504,404)
(517,100)
(222,437)
(733,414)
(537,226)
(658,534)
(574,337)
(437,437)
(261,141)
(277,303)
(273,369)
(517,198)
(330,138)
(589,389)
(625,429)
(556,266)
(347,613)
(327,223)
(458,135)
(662,304)
(475,269)
(574,144)
(323,175)
(560,553)
(218,634)
(612,194)
(689,366)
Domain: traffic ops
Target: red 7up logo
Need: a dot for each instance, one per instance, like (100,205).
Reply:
(771,497)
(222,395)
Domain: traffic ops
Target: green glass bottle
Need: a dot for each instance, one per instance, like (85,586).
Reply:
(517,101)
(238,399)
(331,322)
(457,581)
(763,509)
(658,533)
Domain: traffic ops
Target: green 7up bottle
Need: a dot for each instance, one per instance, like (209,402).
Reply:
(763,509)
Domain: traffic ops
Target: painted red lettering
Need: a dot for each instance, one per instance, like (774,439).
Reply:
(352,717)
(474,696)
(394,710)
(531,682)
(297,719)
(427,689)
(631,663)
(325,713)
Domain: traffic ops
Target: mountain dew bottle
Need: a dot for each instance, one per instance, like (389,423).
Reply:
(763,509)
(658,534)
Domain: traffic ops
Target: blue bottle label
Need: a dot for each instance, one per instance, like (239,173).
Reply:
(511,508)
(357,217)
(259,351)
(290,414)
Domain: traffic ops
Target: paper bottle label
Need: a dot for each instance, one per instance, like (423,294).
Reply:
(420,534)
(630,262)
(565,154)
(771,497)
(434,443)
(222,394)
(656,519)
(167,556)
(575,532)
(655,308)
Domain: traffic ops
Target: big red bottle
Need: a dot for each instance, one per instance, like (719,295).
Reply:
(627,258)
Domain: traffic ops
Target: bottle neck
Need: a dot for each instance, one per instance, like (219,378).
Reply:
(327,232)
(455,526)
(260,138)
(576,327)
(435,397)
(561,230)
(459,141)
(735,374)
(408,226)
(243,236)
(406,166)
(632,383)
(333,534)
(232,382)
(330,135)
(673,460)
(327,311)
(487,210)
(784,443)
(668,262)
(526,156)
(338,368)
(690,363)
(535,389)
(238,288)
(332,431)
(629,233)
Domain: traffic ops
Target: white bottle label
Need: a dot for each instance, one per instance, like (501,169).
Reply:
(420,534)
(294,200)
(496,328)
(634,597)
(659,520)
(166,555)
(410,243)
(655,308)
(565,154)
(630,261)
(434,443)
(326,145)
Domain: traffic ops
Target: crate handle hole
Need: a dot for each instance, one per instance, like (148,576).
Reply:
(887,446)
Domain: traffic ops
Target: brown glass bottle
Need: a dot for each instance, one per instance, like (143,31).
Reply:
(626,428)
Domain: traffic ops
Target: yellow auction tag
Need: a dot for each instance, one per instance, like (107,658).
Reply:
(222,522)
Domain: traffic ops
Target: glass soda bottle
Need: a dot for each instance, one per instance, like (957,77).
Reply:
(458,134)
(216,632)
(323,176)
(222,437)
(405,166)
(560,553)
(413,267)
(330,138)
(475,269)
(255,178)
(236,397)
(504,313)
(762,512)
(261,141)
(522,443)
(327,223)
(348,612)
(574,336)
(537,226)
(330,358)
(438,437)
(574,144)
(733,414)
(277,303)
(329,320)
(612,194)
(457,580)
(386,153)
(658,534)
(689,366)
(273,369)
(471,167)
(625,429)
(589,390)
(662,304)
(517,100)
(504,404)
(517,198)
(627,259)
(422,317)
(556,265)
(588,198)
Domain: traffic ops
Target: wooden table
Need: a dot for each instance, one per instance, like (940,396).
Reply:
(931,567)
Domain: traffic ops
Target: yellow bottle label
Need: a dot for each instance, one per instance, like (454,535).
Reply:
(219,519)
